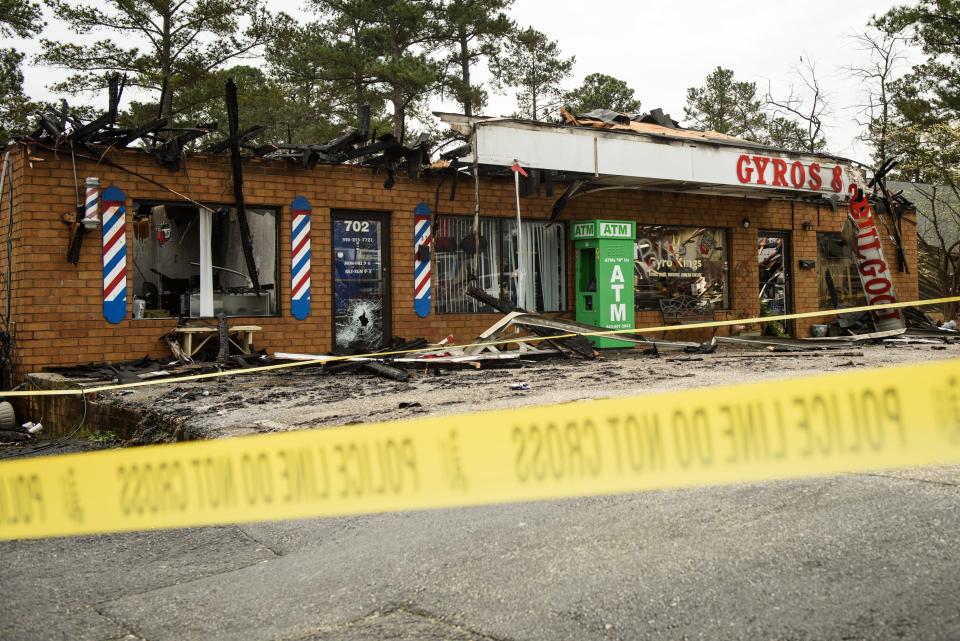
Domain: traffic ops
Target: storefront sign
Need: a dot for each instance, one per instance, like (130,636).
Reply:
(615,229)
(863,238)
(777,172)
(630,158)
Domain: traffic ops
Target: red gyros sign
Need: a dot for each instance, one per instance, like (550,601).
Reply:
(777,172)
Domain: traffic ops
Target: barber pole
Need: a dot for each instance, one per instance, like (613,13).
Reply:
(422,263)
(90,218)
(114,254)
(300,258)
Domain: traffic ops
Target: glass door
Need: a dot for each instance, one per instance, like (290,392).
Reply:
(361,292)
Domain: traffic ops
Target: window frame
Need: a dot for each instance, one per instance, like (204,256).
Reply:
(723,232)
(859,298)
(139,204)
(502,223)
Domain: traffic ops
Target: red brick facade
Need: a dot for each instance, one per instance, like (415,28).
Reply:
(56,307)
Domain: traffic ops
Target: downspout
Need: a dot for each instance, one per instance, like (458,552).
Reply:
(476,203)
(7,175)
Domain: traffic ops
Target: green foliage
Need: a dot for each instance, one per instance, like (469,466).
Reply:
(727,106)
(362,51)
(923,130)
(178,42)
(325,67)
(24,19)
(20,18)
(732,107)
(600,91)
(928,153)
(931,91)
(785,133)
(262,100)
(401,33)
(15,107)
(533,64)
(103,437)
(772,328)
(472,30)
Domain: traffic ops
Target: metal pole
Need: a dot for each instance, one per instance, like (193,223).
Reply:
(476,210)
(3,184)
(516,185)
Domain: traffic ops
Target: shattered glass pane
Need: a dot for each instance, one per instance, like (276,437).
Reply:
(839,281)
(359,327)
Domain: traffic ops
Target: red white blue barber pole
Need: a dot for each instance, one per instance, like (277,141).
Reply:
(114,207)
(422,263)
(91,205)
(300,258)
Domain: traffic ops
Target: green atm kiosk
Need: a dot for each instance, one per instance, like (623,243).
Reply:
(604,260)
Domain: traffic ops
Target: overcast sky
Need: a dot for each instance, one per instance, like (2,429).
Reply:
(661,48)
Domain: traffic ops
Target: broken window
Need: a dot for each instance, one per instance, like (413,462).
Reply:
(174,244)
(680,261)
(495,271)
(839,281)
(542,264)
(360,297)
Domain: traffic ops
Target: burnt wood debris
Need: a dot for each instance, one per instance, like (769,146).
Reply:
(59,127)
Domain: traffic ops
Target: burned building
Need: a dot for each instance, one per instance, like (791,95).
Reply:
(332,249)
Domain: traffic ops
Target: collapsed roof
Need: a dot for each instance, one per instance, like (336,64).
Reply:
(58,126)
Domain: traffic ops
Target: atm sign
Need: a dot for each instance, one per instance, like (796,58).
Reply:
(603,229)
(615,230)
(584,230)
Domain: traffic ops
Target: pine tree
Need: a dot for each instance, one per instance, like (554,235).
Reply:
(533,64)
(600,91)
(23,19)
(15,107)
(156,43)
(726,106)
(327,66)
(474,30)
(368,51)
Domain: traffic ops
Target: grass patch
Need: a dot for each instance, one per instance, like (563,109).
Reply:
(103,437)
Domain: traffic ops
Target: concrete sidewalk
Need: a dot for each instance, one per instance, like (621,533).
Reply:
(852,557)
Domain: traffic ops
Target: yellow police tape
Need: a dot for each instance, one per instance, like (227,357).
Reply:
(510,341)
(835,423)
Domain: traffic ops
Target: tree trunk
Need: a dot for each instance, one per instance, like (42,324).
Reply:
(465,73)
(399,115)
(166,108)
(359,97)
(358,87)
(534,84)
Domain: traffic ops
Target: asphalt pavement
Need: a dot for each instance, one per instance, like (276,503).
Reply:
(849,557)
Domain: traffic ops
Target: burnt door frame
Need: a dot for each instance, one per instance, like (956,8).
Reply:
(382,217)
(787,237)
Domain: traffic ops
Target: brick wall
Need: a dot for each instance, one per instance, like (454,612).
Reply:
(56,307)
